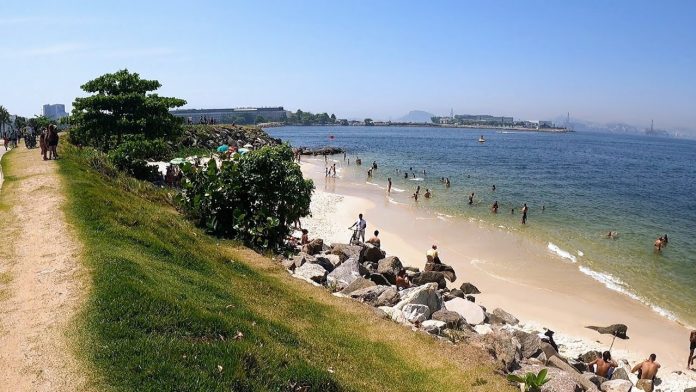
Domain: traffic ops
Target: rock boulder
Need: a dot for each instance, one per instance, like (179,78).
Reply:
(616,386)
(372,253)
(314,247)
(499,316)
(446,270)
(311,272)
(433,326)
(389,267)
(357,284)
(422,295)
(452,319)
(346,273)
(469,288)
(430,277)
(346,251)
(370,294)
(472,313)
(416,313)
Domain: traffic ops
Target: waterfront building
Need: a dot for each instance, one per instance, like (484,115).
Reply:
(54,112)
(233,115)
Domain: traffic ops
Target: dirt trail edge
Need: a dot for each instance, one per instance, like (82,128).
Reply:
(42,283)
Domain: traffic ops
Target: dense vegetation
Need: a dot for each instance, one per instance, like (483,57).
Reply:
(307,118)
(173,309)
(252,198)
(122,104)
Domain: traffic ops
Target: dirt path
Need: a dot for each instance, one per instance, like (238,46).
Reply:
(42,283)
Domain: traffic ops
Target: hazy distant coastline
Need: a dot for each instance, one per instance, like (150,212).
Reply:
(421,125)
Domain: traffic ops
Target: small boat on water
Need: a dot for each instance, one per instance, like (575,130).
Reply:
(481,139)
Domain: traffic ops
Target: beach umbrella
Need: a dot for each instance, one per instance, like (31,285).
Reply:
(615,330)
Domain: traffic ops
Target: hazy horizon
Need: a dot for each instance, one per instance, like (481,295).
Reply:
(628,62)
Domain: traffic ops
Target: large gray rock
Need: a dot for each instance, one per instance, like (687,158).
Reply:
(499,316)
(315,246)
(616,386)
(430,277)
(324,262)
(452,319)
(621,374)
(433,326)
(504,348)
(469,288)
(595,379)
(346,251)
(346,273)
(334,260)
(389,267)
(530,343)
(379,279)
(389,297)
(372,253)
(472,313)
(357,284)
(311,272)
(369,294)
(297,261)
(457,293)
(416,312)
(446,270)
(422,295)
(589,356)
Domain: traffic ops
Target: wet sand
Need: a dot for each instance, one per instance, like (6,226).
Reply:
(515,273)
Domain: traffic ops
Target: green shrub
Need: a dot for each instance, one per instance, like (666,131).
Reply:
(131,156)
(252,198)
(532,382)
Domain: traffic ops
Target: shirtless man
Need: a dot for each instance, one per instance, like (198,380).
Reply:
(375,240)
(427,193)
(647,370)
(432,256)
(524,214)
(692,347)
(604,365)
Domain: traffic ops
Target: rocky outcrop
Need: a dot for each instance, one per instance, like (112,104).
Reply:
(357,284)
(559,381)
(446,270)
(346,273)
(372,254)
(616,386)
(389,267)
(212,136)
(389,297)
(433,326)
(311,272)
(369,294)
(452,319)
(416,313)
(469,288)
(499,316)
(472,313)
(346,251)
(430,277)
(621,374)
(321,151)
(313,247)
(422,295)
(504,348)
(530,344)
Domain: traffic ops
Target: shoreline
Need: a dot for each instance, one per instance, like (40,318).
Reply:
(522,277)
(425,125)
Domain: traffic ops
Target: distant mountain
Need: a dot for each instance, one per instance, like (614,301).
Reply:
(613,127)
(416,116)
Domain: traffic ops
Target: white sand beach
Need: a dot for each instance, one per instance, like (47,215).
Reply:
(515,273)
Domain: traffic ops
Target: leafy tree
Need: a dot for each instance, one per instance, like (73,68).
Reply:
(368,122)
(252,198)
(39,122)
(4,116)
(333,118)
(122,104)
(259,119)
(20,122)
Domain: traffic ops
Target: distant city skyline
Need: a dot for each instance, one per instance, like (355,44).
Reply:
(622,61)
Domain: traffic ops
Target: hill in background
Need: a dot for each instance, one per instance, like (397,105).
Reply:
(416,116)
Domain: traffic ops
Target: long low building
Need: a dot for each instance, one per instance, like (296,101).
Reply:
(234,115)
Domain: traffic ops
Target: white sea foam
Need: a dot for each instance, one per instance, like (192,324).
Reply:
(395,189)
(613,283)
(581,253)
(561,253)
(416,179)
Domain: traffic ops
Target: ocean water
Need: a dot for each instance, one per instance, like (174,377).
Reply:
(578,186)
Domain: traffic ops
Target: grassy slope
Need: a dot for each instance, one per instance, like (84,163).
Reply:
(168,300)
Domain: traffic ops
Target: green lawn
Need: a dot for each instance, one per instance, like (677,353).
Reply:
(171,308)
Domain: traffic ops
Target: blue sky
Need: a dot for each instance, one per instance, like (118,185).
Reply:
(629,61)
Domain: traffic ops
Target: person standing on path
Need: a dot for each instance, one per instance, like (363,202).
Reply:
(52,141)
(524,214)
(692,347)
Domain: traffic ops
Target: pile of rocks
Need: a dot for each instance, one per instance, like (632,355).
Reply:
(366,274)
(212,136)
(321,151)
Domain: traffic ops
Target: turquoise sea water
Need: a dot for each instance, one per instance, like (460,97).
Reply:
(588,184)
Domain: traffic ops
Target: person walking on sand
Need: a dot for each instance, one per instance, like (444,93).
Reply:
(524,214)
(389,183)
(692,347)
(360,225)
(647,371)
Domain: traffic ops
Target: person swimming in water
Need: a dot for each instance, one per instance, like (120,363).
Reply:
(493,187)
(415,196)
(471,198)
(427,193)
(447,182)
(495,207)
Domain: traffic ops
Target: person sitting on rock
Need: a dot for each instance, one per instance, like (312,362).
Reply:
(432,255)
(604,366)
(375,240)
(402,280)
(647,371)
(305,237)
